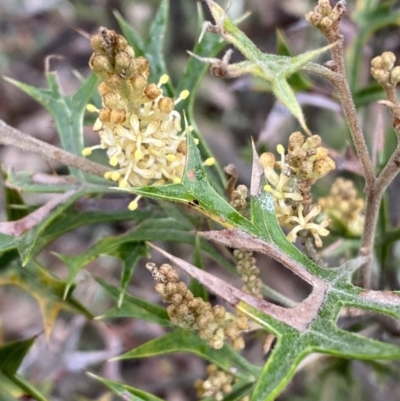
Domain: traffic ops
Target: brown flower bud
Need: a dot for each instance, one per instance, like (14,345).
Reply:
(96,43)
(166,104)
(242,323)
(219,312)
(182,147)
(324,166)
(103,88)
(152,91)
(176,299)
(100,65)
(121,44)
(118,116)
(122,63)
(296,139)
(105,115)
(112,100)
(238,343)
(160,289)
(139,82)
(143,66)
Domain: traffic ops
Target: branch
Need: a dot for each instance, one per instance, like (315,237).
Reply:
(13,137)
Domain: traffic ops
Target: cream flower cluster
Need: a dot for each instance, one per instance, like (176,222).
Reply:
(305,162)
(217,385)
(344,207)
(138,126)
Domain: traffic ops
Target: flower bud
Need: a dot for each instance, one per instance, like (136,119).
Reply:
(138,82)
(100,65)
(122,62)
(118,116)
(166,104)
(105,115)
(112,100)
(96,43)
(143,67)
(152,91)
(121,44)
(388,59)
(103,88)
(395,75)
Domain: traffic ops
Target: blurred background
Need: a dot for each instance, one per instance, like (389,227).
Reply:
(229,113)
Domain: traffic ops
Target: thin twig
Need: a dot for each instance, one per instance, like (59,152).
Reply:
(13,137)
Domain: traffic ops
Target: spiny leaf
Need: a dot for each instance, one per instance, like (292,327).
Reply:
(67,111)
(134,307)
(184,341)
(157,229)
(274,69)
(12,355)
(130,254)
(124,391)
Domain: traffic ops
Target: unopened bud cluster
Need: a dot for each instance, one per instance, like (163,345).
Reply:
(137,124)
(217,385)
(305,162)
(324,17)
(384,71)
(239,199)
(213,324)
(344,207)
(246,266)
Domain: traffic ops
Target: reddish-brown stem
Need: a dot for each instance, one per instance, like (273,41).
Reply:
(13,137)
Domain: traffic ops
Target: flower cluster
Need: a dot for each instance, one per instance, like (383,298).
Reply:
(239,199)
(246,266)
(137,124)
(344,207)
(213,324)
(218,383)
(305,162)
(384,71)
(325,17)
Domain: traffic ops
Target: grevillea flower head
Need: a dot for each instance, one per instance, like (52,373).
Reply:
(305,162)
(138,126)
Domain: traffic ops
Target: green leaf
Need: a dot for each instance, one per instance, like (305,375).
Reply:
(12,355)
(27,388)
(298,81)
(134,307)
(126,392)
(67,111)
(274,69)
(27,242)
(154,46)
(130,254)
(157,229)
(7,242)
(184,341)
